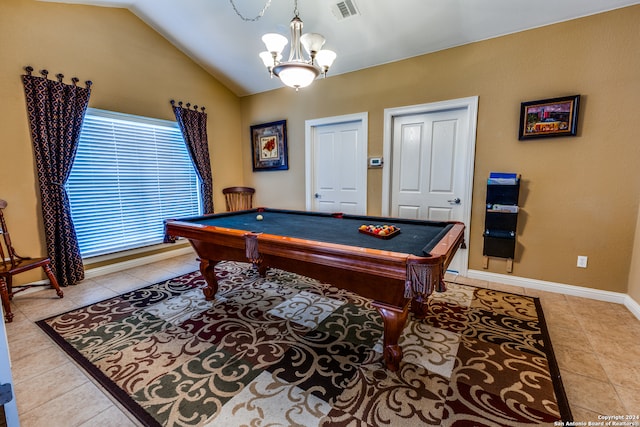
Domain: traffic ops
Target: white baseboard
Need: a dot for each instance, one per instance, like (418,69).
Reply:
(137,262)
(633,306)
(560,288)
(119,266)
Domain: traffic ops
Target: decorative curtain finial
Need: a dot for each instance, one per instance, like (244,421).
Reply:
(187,105)
(59,76)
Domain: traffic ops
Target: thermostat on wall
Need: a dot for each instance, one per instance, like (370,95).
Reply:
(375,162)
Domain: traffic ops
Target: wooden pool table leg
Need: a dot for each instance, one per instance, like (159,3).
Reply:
(207,268)
(394,319)
(262,269)
(420,306)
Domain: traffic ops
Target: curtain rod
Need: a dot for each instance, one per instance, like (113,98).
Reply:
(60,76)
(188,105)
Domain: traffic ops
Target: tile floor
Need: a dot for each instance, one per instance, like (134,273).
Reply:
(597,345)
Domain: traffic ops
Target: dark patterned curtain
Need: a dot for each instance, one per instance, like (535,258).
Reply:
(193,124)
(56,111)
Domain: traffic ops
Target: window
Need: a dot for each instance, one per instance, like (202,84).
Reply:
(130,174)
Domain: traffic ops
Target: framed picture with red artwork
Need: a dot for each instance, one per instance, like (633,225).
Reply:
(269,146)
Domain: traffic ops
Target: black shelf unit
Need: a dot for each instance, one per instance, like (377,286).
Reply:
(501,220)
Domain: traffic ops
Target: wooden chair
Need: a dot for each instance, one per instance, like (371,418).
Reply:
(13,264)
(238,198)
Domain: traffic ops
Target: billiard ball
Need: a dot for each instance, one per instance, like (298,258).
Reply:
(259,217)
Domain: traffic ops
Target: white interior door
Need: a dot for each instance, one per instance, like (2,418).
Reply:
(337,165)
(426,159)
(430,149)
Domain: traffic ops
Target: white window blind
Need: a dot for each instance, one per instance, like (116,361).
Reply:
(130,174)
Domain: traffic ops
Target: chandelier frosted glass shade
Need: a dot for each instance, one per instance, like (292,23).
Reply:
(296,75)
(325,59)
(274,42)
(312,42)
(298,71)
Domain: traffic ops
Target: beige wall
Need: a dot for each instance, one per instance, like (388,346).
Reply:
(133,69)
(580,194)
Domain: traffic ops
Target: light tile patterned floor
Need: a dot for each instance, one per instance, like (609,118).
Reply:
(597,345)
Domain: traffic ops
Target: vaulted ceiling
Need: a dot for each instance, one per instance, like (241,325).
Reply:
(213,33)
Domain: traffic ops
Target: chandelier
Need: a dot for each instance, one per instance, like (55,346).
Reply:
(298,71)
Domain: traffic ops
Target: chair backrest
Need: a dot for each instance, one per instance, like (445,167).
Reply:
(8,255)
(238,198)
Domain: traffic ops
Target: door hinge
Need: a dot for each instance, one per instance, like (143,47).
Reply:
(6,393)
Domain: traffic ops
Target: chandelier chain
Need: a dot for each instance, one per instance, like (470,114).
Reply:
(264,9)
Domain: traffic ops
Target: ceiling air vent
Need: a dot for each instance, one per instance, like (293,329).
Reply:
(344,9)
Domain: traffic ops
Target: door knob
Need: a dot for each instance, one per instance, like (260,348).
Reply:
(455,201)
(317,195)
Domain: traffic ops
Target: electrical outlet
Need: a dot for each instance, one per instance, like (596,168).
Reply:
(582,261)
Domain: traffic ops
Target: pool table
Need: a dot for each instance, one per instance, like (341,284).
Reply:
(397,273)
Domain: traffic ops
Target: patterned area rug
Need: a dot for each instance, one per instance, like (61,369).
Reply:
(285,350)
